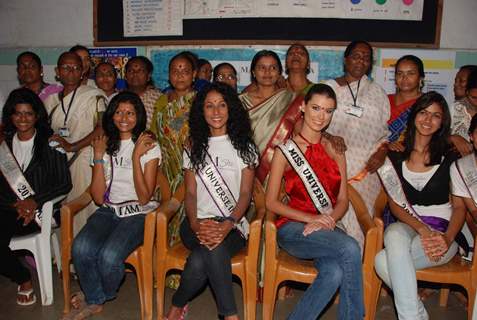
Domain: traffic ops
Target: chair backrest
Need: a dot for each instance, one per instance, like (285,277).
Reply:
(380,203)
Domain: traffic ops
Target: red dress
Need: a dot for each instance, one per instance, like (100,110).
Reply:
(328,173)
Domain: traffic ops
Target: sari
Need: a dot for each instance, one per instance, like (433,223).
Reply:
(171,127)
(82,119)
(273,121)
(398,119)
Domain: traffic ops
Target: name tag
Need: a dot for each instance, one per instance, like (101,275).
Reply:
(64,132)
(354,110)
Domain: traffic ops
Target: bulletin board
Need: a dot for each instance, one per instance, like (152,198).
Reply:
(108,30)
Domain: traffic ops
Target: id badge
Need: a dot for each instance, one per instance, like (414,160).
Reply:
(64,132)
(354,110)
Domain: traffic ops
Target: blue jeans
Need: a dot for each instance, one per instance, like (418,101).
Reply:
(100,249)
(212,266)
(337,257)
(397,265)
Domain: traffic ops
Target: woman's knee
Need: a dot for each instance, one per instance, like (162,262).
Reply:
(330,272)
(397,235)
(350,249)
(81,248)
(380,263)
(195,263)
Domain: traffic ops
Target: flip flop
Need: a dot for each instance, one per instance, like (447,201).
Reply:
(84,312)
(30,294)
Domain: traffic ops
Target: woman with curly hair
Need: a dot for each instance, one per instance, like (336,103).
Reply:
(26,132)
(219,171)
(125,162)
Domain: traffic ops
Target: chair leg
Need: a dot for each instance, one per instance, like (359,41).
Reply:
(269,297)
(374,293)
(56,249)
(147,287)
(140,284)
(471,294)
(43,265)
(160,291)
(444,295)
(65,262)
(251,294)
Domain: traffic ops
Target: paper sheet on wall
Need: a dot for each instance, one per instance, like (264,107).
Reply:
(341,9)
(152,18)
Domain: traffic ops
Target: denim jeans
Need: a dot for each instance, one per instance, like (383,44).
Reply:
(337,257)
(397,265)
(213,266)
(100,249)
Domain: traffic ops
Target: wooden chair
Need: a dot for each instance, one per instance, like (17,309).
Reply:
(140,259)
(457,271)
(280,266)
(244,264)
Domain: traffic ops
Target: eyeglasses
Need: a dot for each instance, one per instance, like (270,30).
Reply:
(69,68)
(225,77)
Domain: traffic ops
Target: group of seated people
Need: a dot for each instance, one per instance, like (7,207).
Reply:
(309,139)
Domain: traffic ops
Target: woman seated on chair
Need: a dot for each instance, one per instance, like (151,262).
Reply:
(219,172)
(417,182)
(315,182)
(125,162)
(25,135)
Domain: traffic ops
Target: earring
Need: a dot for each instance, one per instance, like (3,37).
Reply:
(41,74)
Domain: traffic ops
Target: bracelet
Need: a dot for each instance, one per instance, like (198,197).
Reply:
(98,161)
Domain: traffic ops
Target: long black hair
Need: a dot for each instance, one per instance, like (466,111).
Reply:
(439,145)
(110,129)
(43,129)
(239,128)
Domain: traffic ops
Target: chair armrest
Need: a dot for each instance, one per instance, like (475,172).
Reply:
(254,238)
(164,214)
(68,211)
(271,248)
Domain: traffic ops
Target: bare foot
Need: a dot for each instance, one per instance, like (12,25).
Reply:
(176,313)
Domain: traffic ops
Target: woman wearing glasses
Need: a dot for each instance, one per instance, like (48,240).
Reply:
(75,118)
(361,119)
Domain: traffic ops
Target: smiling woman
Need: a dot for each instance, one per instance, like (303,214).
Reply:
(26,132)
(418,179)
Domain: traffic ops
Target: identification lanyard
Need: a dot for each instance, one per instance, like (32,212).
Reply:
(67,112)
(355,98)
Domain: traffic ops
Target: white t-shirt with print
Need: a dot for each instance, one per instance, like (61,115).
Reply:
(230,165)
(122,188)
(23,151)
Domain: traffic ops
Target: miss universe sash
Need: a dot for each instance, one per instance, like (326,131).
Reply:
(15,178)
(315,190)
(127,208)
(220,192)
(468,171)
(391,182)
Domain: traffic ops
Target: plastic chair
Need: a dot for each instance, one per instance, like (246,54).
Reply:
(456,271)
(140,259)
(280,266)
(244,264)
(39,244)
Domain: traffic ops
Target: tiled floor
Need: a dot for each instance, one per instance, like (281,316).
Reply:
(126,306)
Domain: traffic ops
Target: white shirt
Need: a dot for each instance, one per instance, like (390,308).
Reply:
(23,151)
(230,166)
(122,188)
